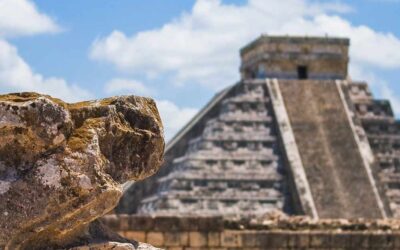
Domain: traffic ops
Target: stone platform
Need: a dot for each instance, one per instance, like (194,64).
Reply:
(217,233)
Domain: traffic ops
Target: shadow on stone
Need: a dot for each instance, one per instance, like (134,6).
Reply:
(63,165)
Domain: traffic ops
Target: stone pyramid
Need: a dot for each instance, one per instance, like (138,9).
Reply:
(295,135)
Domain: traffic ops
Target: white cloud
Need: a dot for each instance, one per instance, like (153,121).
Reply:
(202,46)
(389,94)
(367,46)
(173,117)
(126,86)
(21,17)
(16,75)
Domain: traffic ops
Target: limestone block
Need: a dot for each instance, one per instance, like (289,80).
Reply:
(197,239)
(135,235)
(299,239)
(320,239)
(396,240)
(142,223)
(231,239)
(381,240)
(274,240)
(341,240)
(155,238)
(62,165)
(249,239)
(214,239)
(176,239)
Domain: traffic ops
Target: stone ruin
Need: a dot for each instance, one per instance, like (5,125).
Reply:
(294,135)
(271,232)
(62,166)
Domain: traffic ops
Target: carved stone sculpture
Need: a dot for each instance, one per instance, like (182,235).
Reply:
(62,165)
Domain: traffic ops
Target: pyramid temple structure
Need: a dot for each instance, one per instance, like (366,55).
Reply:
(295,134)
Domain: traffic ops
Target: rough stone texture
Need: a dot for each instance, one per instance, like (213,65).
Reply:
(271,231)
(302,187)
(62,165)
(233,167)
(232,158)
(377,125)
(106,246)
(280,57)
(332,160)
(115,246)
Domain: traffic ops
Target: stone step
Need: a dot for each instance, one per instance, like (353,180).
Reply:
(339,182)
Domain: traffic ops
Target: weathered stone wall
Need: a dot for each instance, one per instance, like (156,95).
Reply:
(140,190)
(379,127)
(234,158)
(216,233)
(279,57)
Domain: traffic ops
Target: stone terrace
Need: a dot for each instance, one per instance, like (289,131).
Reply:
(217,233)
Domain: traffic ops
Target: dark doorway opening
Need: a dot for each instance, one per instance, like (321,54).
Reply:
(302,72)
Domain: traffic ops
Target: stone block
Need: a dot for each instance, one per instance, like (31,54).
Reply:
(265,239)
(124,222)
(189,224)
(300,239)
(155,238)
(197,248)
(208,224)
(359,240)
(70,151)
(176,239)
(249,239)
(135,235)
(214,239)
(197,239)
(251,248)
(145,223)
(341,240)
(381,240)
(231,239)
(396,237)
(166,224)
(272,239)
(321,240)
(185,239)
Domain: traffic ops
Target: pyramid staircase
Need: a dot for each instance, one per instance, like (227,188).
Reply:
(233,166)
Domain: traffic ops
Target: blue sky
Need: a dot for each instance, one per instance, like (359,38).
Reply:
(178,52)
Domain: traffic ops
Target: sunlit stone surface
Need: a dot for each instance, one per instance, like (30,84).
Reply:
(62,165)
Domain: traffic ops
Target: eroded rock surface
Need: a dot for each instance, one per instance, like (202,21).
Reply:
(115,246)
(62,165)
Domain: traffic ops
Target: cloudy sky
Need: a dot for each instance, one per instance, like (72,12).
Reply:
(179,52)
